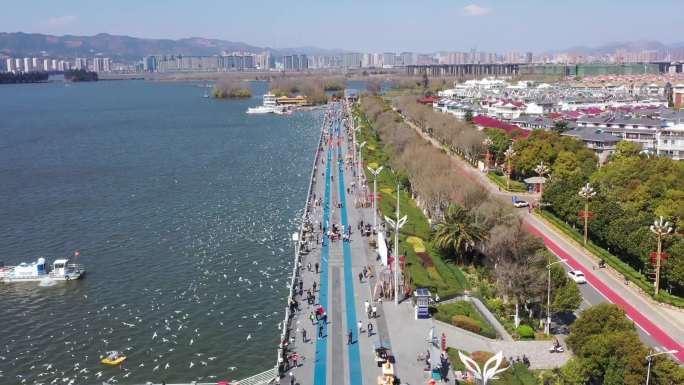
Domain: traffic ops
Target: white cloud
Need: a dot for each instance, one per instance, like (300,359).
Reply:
(476,10)
(60,21)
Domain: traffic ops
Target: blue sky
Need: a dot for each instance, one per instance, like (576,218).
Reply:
(370,25)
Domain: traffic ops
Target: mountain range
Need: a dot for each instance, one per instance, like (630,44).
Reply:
(127,48)
(631,46)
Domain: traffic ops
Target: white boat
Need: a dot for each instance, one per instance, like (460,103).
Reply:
(61,270)
(269,106)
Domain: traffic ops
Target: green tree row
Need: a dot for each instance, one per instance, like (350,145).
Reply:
(30,77)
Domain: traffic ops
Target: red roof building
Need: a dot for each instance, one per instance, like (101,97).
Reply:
(428,100)
(511,130)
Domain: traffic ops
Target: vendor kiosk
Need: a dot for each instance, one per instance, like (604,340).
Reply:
(422,296)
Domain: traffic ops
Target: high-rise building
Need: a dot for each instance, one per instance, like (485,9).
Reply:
(27,64)
(81,63)
(34,64)
(408,58)
(54,64)
(10,65)
(101,64)
(351,60)
(46,65)
(388,59)
(295,62)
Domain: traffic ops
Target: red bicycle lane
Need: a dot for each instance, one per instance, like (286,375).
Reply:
(636,316)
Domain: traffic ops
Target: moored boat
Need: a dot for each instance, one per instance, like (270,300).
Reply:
(269,106)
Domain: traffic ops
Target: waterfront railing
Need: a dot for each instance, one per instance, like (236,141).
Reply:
(284,336)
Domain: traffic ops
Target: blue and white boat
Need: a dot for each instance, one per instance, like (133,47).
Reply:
(61,270)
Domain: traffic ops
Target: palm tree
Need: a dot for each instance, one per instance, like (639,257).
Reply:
(459,232)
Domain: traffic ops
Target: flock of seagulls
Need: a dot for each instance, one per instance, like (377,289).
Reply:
(221,291)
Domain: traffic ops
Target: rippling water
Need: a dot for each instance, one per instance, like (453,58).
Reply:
(181,207)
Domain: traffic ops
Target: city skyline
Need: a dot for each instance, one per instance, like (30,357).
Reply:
(430,26)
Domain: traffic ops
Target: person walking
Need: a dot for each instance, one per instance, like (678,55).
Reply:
(314,286)
(366,306)
(375,311)
(312,318)
(316,265)
(304,335)
(360,325)
(360,277)
(370,329)
(320,331)
(349,337)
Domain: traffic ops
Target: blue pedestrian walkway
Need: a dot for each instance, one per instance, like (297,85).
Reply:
(355,376)
(320,371)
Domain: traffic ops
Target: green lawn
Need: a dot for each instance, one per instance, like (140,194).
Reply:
(612,260)
(445,312)
(443,278)
(500,181)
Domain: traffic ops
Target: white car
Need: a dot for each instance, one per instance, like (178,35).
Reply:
(520,204)
(577,276)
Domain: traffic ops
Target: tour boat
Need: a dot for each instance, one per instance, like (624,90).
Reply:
(114,358)
(62,270)
(269,106)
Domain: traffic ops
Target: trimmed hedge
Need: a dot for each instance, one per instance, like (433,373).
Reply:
(526,332)
(465,322)
(464,315)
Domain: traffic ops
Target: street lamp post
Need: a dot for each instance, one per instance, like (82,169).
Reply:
(548,298)
(509,154)
(649,358)
(660,228)
(586,192)
(375,173)
(541,170)
(358,169)
(398,224)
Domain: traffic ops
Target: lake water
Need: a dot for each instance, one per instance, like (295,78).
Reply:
(182,209)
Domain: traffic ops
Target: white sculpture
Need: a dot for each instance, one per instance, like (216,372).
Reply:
(486,373)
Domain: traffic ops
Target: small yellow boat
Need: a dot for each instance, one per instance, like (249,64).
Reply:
(114,358)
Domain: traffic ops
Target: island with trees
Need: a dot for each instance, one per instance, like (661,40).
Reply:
(231,89)
(28,77)
(80,76)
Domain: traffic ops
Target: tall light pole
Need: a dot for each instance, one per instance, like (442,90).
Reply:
(397,225)
(541,170)
(509,154)
(649,358)
(359,161)
(548,297)
(586,192)
(660,228)
(375,173)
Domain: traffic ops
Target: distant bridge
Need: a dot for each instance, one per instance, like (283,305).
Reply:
(464,69)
